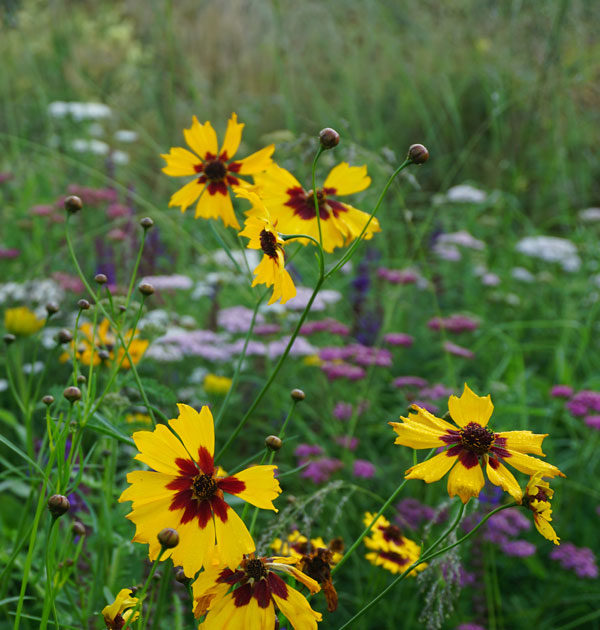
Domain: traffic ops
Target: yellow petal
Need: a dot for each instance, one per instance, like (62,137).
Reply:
(524,441)
(428,421)
(502,477)
(432,469)
(196,430)
(233,136)
(233,539)
(186,196)
(470,408)
(257,162)
(146,487)
(196,546)
(347,179)
(545,529)
(297,610)
(261,486)
(531,465)
(217,206)
(414,435)
(180,162)
(159,449)
(311,585)
(225,614)
(352,222)
(465,482)
(201,138)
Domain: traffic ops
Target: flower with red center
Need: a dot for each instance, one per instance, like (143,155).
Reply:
(116,614)
(293,208)
(248,596)
(185,491)
(471,444)
(214,168)
(263,235)
(390,549)
(537,498)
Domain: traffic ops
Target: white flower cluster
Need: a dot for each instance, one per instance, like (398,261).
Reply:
(79,111)
(551,249)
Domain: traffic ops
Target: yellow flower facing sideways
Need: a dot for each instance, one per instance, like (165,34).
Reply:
(271,270)
(250,595)
(471,444)
(116,614)
(537,498)
(22,321)
(292,207)
(185,491)
(213,168)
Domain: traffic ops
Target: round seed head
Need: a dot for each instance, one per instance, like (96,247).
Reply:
(297,394)
(72,394)
(100,278)
(51,308)
(84,305)
(48,399)
(81,379)
(418,154)
(273,443)
(145,288)
(58,504)
(78,528)
(329,138)
(64,336)
(146,223)
(73,204)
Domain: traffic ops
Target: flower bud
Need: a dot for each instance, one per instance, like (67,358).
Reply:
(81,380)
(84,305)
(417,154)
(146,223)
(48,399)
(51,308)
(297,395)
(122,308)
(58,505)
(9,338)
(78,528)
(72,394)
(168,537)
(273,443)
(181,577)
(64,336)
(329,138)
(73,204)
(145,288)
(100,278)
(103,354)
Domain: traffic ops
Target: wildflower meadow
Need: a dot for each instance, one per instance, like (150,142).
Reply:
(299,308)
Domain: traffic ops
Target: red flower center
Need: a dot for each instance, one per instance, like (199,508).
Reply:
(393,533)
(303,203)
(476,438)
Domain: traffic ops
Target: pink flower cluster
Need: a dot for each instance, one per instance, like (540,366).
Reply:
(329,325)
(583,403)
(580,560)
(398,276)
(453,323)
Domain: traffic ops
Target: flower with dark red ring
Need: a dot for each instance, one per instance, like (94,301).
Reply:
(214,168)
(293,207)
(471,443)
(185,491)
(250,595)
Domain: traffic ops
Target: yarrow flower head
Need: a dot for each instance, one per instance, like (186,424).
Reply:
(214,168)
(294,209)
(471,444)
(249,595)
(185,491)
(22,321)
(537,498)
(263,235)
(390,549)
(116,614)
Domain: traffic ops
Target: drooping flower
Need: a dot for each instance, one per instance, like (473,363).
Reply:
(22,321)
(248,596)
(294,210)
(263,235)
(104,344)
(184,491)
(116,614)
(390,549)
(537,498)
(214,168)
(471,443)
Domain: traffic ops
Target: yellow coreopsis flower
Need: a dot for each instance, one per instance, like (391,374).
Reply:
(214,168)
(537,498)
(390,549)
(249,596)
(263,235)
(22,321)
(471,444)
(293,208)
(116,614)
(185,492)
(298,545)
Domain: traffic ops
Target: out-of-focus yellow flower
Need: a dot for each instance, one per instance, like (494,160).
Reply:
(115,615)
(214,384)
(138,418)
(22,321)
(312,360)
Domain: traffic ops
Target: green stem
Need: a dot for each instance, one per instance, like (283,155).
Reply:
(314,192)
(49,591)
(135,269)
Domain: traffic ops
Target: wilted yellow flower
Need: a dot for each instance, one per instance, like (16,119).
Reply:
(22,321)
(115,615)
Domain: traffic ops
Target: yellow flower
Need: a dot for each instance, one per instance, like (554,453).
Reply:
(214,168)
(138,418)
(103,344)
(297,545)
(262,234)
(249,596)
(537,498)
(389,548)
(312,360)
(185,492)
(115,615)
(214,384)
(293,208)
(22,321)
(471,443)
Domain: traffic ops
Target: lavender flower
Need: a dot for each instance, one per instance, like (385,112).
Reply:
(580,560)
(518,548)
(363,468)
(411,512)
(458,351)
(561,391)
(347,442)
(237,319)
(342,411)
(454,323)
(409,381)
(398,339)
(320,470)
(593,421)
